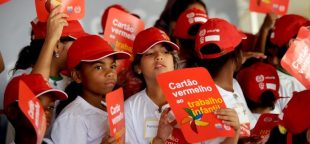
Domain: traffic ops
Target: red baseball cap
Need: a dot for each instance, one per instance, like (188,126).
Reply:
(219,32)
(104,16)
(150,37)
(296,117)
(258,78)
(36,84)
(89,49)
(187,20)
(73,30)
(286,27)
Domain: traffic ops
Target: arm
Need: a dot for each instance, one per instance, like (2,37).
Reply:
(55,23)
(263,32)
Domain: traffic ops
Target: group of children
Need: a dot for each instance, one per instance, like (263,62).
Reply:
(81,68)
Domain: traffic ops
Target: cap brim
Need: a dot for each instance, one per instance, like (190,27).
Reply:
(60,95)
(78,35)
(118,54)
(173,45)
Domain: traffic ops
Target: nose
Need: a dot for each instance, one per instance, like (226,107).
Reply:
(111,73)
(159,57)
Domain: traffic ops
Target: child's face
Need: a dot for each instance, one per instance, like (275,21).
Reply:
(99,77)
(48,104)
(155,61)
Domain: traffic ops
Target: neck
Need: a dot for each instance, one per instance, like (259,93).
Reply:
(224,78)
(25,136)
(94,99)
(155,93)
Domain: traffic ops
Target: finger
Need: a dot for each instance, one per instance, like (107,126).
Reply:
(111,140)
(55,11)
(173,123)
(60,16)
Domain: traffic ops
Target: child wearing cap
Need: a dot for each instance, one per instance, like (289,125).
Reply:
(48,48)
(92,63)
(218,45)
(24,132)
(285,29)
(154,53)
(260,85)
(295,121)
(185,31)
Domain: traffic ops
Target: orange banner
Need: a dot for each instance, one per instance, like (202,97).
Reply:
(32,109)
(193,98)
(115,108)
(278,7)
(297,58)
(74,8)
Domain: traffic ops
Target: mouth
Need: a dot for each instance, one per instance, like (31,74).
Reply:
(159,66)
(110,83)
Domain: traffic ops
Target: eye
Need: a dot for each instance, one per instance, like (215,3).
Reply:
(98,67)
(50,108)
(113,66)
(149,54)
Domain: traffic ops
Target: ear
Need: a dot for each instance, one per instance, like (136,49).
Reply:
(76,76)
(308,135)
(59,47)
(137,69)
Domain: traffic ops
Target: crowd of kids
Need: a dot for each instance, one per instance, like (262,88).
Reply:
(70,72)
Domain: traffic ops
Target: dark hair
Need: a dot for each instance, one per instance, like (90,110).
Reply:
(172,12)
(267,100)
(216,64)
(187,47)
(73,90)
(138,57)
(28,56)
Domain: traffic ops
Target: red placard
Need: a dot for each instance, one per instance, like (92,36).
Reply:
(115,108)
(32,109)
(297,58)
(120,32)
(74,8)
(193,98)
(3,1)
(265,124)
(278,7)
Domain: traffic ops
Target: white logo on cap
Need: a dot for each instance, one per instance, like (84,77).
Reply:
(77,9)
(214,30)
(271,86)
(202,40)
(261,86)
(259,78)
(190,15)
(190,20)
(202,32)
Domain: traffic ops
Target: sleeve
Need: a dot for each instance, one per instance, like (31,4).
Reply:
(130,137)
(19,72)
(69,129)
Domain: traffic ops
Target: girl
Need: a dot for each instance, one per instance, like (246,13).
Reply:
(92,63)
(145,112)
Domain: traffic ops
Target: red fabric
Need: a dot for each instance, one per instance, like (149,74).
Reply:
(219,32)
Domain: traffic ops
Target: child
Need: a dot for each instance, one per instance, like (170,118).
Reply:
(92,62)
(260,85)
(285,29)
(24,132)
(295,121)
(218,45)
(146,112)
(185,32)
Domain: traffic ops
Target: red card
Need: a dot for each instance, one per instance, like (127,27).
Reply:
(297,58)
(193,97)
(3,1)
(265,124)
(278,7)
(115,108)
(120,31)
(33,110)
(74,8)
